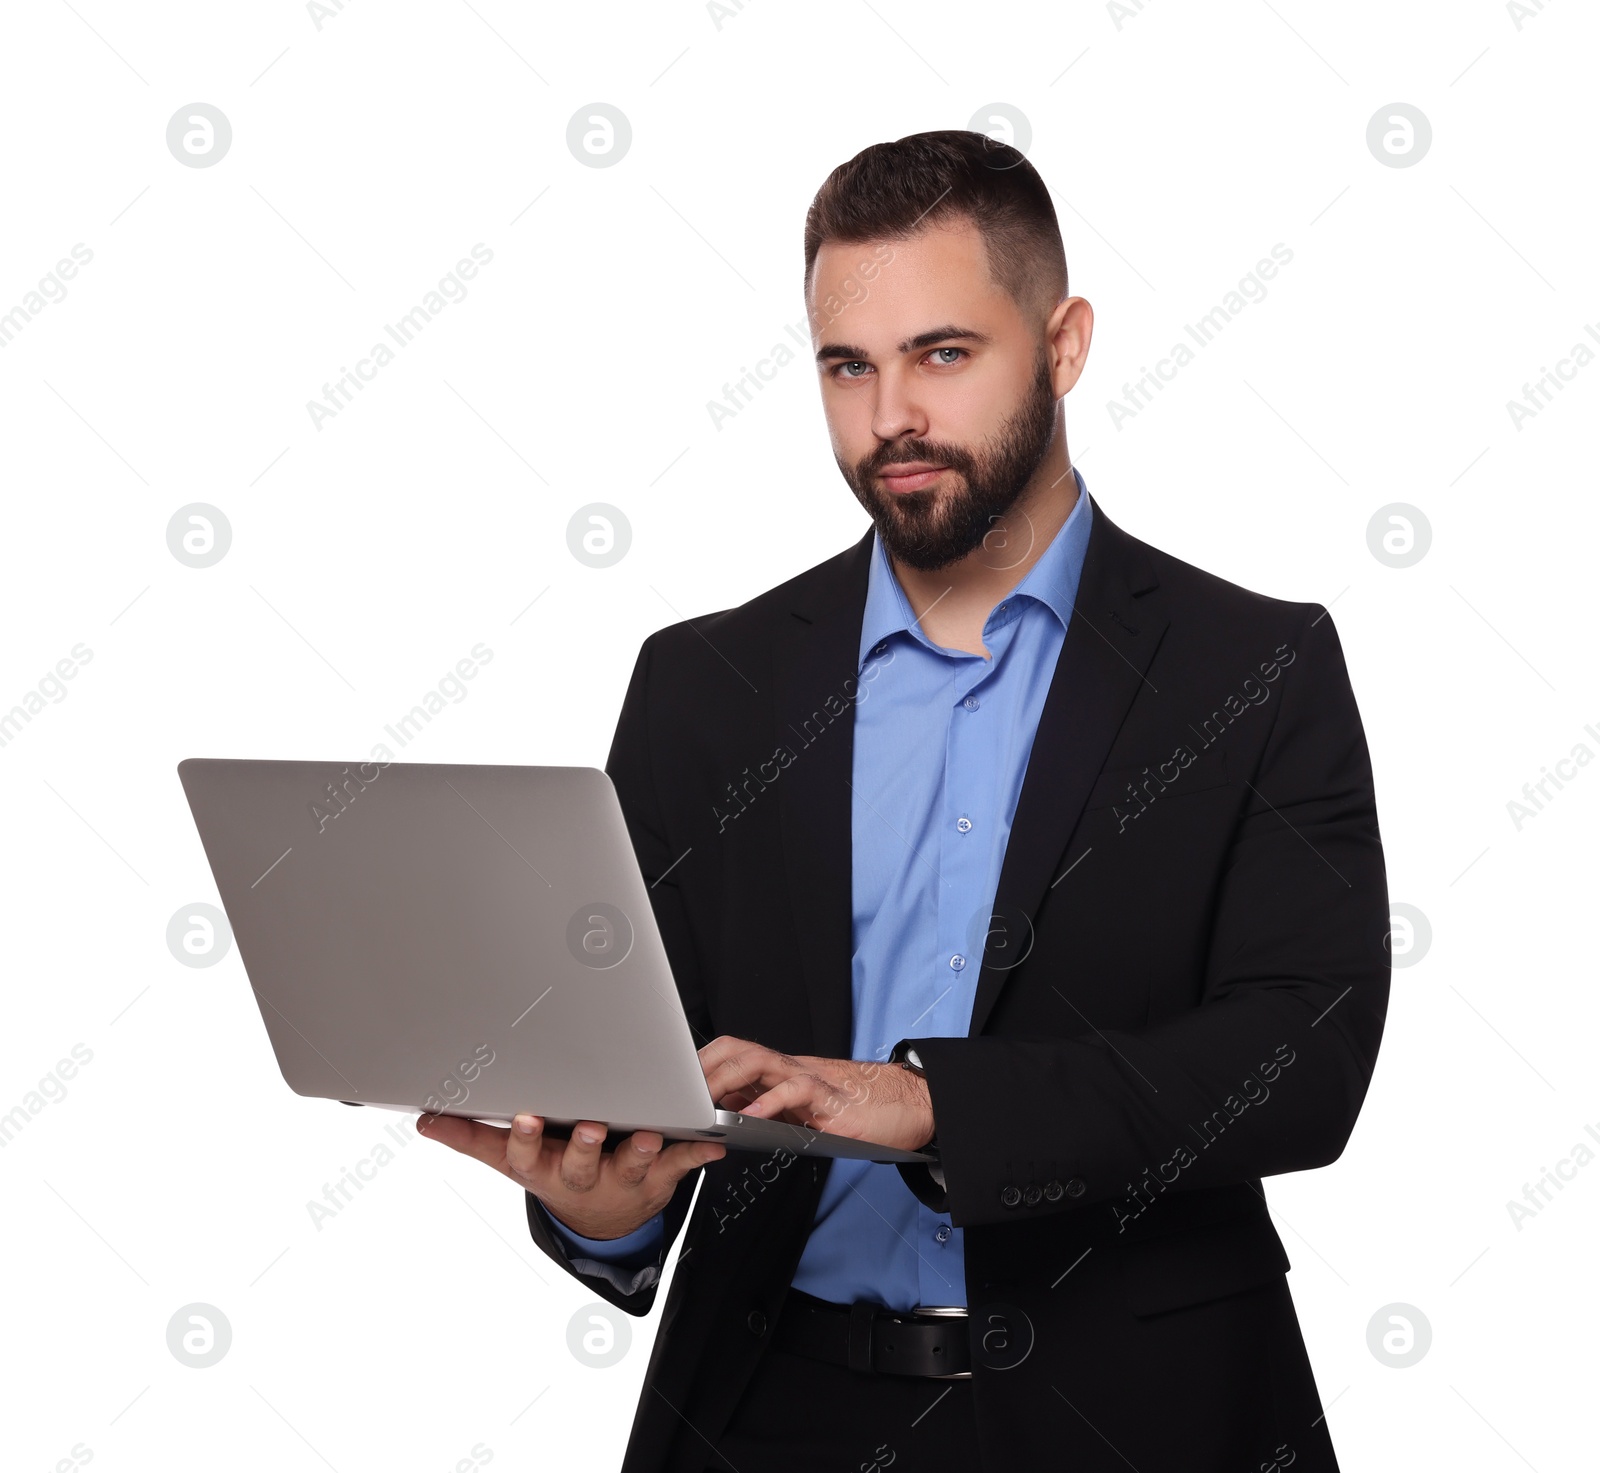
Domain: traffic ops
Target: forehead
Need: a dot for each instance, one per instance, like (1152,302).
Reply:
(886,289)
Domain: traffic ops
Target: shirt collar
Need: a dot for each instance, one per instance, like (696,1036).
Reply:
(1053,581)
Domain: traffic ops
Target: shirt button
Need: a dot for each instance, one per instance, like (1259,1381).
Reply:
(964,825)
(1031,1195)
(957,962)
(943,1233)
(971,703)
(1010,1196)
(1001,609)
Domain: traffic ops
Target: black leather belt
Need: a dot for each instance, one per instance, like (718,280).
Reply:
(866,1337)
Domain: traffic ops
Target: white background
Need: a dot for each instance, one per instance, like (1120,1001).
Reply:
(370,554)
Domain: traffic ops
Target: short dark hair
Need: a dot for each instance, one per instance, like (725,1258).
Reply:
(891,190)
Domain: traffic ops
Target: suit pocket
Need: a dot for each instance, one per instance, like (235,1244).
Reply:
(1198,1264)
(1152,785)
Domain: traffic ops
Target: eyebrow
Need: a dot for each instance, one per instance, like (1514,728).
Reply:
(852,354)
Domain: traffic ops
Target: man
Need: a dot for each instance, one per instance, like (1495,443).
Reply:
(1001,831)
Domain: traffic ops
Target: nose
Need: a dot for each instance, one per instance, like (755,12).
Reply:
(896,415)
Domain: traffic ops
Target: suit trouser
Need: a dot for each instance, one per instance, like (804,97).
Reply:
(800,1415)
(1246,1399)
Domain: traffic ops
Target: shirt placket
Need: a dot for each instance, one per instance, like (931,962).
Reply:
(967,813)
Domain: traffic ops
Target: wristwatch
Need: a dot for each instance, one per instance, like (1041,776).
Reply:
(905,1055)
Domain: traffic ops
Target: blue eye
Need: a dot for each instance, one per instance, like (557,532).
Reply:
(959,351)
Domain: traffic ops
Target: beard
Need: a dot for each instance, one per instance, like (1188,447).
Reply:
(937,526)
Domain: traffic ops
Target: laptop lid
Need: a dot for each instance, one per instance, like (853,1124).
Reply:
(468,939)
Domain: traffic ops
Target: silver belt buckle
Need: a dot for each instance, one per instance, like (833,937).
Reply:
(943,1311)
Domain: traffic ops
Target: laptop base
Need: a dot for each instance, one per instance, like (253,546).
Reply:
(733,1130)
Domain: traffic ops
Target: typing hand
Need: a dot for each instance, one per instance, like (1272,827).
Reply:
(882,1103)
(598,1194)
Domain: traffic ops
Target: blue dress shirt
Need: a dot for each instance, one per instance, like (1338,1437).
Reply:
(942,739)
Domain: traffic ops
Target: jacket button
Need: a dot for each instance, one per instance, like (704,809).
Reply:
(1009,1197)
(1030,1198)
(1075,1187)
(1053,1191)
(757,1323)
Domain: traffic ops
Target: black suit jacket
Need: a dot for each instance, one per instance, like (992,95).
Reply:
(1182,992)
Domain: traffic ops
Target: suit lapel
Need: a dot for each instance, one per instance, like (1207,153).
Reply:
(1110,641)
(814,709)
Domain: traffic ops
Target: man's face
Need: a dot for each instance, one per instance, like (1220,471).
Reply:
(938,391)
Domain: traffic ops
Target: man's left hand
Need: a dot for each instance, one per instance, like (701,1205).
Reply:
(866,1101)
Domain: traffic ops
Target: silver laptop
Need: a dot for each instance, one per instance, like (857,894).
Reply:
(463,940)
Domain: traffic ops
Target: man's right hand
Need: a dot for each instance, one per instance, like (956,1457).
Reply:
(596,1193)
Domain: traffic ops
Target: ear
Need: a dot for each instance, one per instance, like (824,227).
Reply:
(1068,330)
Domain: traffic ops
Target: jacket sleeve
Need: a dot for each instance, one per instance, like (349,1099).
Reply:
(626,1271)
(1268,1072)
(630,1280)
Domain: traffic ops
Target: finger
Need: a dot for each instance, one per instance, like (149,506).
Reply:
(525,1146)
(720,1047)
(797,1097)
(682,1157)
(738,1056)
(635,1156)
(751,1069)
(471,1137)
(580,1162)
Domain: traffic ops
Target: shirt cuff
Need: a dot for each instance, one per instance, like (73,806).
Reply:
(633,1249)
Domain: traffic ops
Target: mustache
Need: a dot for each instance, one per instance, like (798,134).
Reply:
(905,453)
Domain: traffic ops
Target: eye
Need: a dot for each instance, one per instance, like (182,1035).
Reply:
(948,362)
(838,370)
